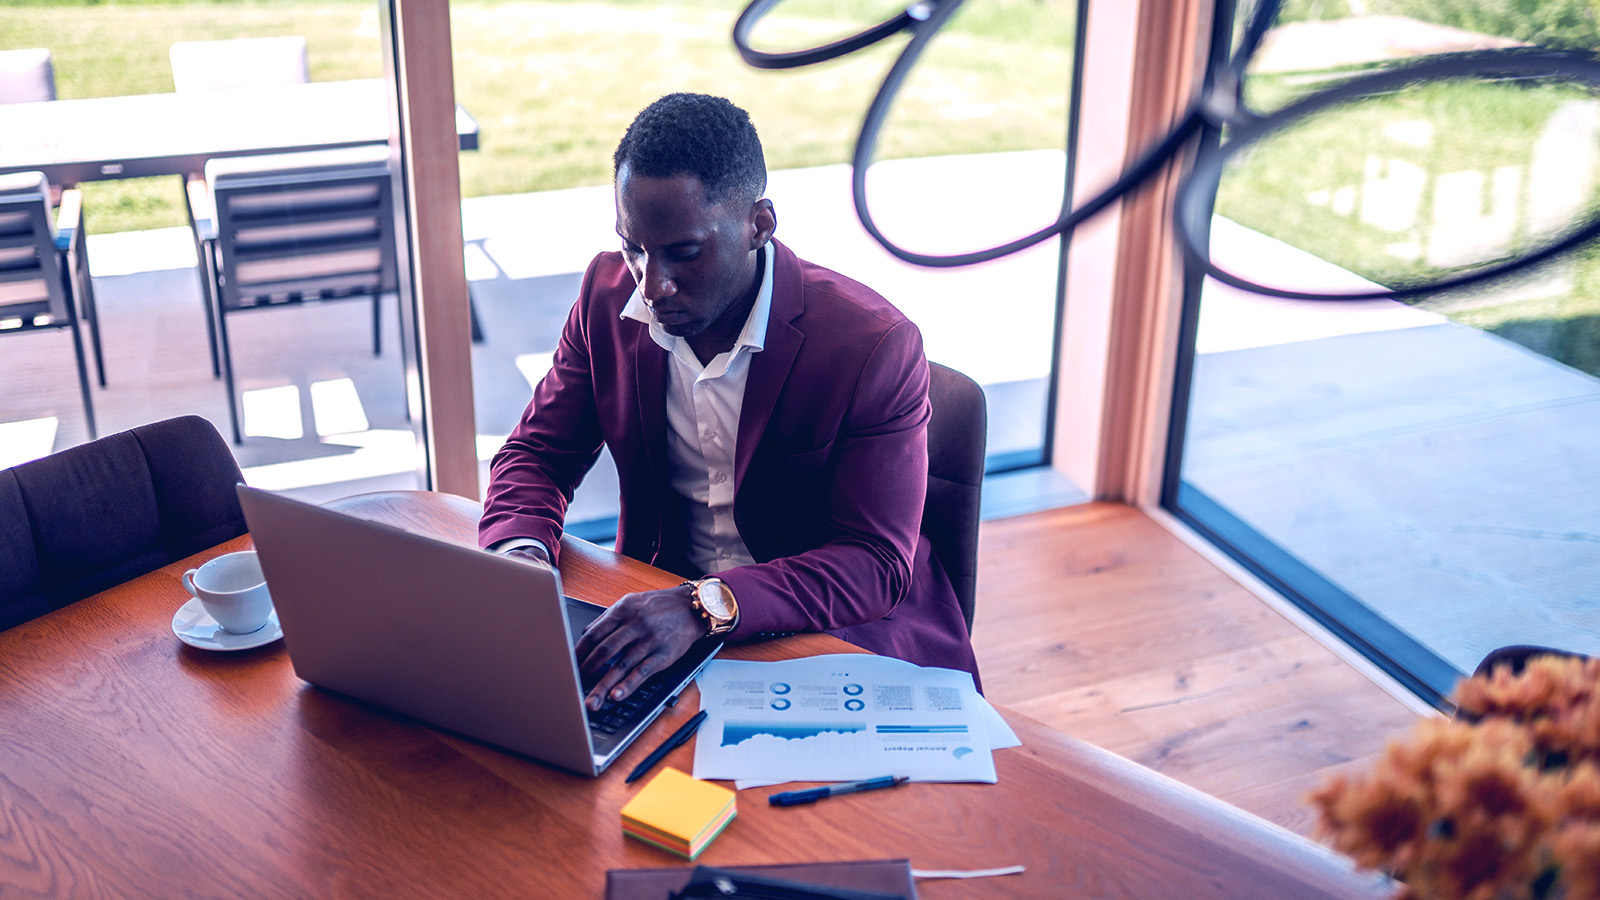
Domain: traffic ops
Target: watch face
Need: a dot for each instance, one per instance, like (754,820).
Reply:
(714,597)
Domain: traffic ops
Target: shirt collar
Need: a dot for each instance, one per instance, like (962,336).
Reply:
(754,334)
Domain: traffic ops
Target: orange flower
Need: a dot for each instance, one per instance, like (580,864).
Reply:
(1580,796)
(1376,824)
(1477,863)
(1546,684)
(1490,789)
(1576,851)
(1502,803)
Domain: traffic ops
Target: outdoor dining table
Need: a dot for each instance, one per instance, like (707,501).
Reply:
(145,135)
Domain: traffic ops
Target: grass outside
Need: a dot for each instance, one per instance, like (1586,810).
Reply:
(554,83)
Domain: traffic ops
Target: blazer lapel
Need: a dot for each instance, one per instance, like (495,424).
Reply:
(650,378)
(769,369)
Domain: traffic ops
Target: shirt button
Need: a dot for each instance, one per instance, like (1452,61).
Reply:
(719,478)
(723,554)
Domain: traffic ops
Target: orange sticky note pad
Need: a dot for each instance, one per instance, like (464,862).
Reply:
(675,812)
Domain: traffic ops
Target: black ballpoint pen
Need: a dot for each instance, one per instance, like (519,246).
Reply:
(667,746)
(795,798)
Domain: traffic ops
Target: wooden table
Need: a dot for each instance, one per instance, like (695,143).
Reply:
(132,765)
(142,135)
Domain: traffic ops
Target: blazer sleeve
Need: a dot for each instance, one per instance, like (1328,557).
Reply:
(874,482)
(532,477)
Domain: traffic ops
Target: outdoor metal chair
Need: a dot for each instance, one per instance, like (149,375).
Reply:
(26,76)
(241,63)
(290,228)
(44,270)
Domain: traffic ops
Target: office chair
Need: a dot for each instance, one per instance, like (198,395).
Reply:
(26,76)
(957,438)
(290,228)
(241,63)
(44,270)
(79,521)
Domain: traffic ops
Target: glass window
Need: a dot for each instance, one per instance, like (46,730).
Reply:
(970,156)
(1419,473)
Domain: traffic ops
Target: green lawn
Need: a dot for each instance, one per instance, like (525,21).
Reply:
(553,84)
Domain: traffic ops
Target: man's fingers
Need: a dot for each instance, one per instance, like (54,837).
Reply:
(599,632)
(625,677)
(606,652)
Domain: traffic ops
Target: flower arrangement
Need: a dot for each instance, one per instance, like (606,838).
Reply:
(1500,803)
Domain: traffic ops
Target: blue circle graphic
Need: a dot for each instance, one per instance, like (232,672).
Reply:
(854,705)
(853,689)
(779,687)
(780,704)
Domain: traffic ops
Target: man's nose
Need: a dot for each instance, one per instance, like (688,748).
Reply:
(657,282)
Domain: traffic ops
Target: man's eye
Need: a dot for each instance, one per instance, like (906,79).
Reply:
(630,250)
(683,255)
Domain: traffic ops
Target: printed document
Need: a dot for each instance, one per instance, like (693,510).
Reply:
(842,717)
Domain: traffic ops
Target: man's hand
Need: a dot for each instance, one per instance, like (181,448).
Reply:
(640,635)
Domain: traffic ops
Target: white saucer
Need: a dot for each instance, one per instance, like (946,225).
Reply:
(195,627)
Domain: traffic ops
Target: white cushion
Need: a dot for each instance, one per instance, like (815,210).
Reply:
(24,184)
(26,76)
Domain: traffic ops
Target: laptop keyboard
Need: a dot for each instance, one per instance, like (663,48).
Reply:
(622,714)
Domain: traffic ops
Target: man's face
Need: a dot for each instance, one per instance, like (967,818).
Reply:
(694,262)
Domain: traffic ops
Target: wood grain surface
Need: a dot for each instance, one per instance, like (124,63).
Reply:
(1099,623)
(132,765)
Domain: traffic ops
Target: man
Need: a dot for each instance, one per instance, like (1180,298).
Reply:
(768,419)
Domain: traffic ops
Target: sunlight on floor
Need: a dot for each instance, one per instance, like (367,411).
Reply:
(28,439)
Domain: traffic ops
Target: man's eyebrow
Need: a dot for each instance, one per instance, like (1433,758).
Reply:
(675,245)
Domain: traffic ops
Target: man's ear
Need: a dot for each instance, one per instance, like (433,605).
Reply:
(763,221)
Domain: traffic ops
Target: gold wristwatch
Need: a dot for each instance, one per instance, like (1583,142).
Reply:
(713,600)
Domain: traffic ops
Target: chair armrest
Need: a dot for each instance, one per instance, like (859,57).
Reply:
(202,211)
(69,219)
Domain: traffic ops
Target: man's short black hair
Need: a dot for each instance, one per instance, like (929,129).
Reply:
(699,135)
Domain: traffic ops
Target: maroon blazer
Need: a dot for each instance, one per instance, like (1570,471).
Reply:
(830,474)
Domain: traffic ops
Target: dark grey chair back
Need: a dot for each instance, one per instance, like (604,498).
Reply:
(93,516)
(303,226)
(288,228)
(44,274)
(957,437)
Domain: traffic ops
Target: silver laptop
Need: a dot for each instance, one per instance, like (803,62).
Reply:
(469,641)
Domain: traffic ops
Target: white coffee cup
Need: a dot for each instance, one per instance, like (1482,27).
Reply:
(233,591)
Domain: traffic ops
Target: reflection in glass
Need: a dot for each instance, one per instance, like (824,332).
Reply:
(1415,186)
